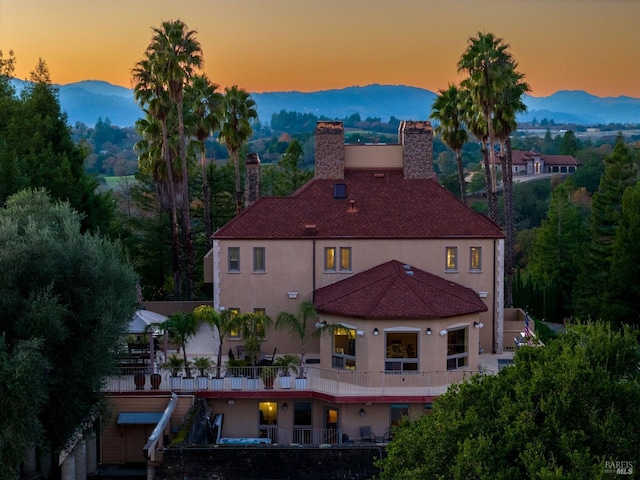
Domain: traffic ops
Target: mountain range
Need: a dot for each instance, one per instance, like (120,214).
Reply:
(88,100)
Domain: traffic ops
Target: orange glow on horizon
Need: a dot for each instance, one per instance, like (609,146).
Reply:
(285,45)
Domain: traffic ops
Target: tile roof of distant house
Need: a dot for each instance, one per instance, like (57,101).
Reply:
(395,290)
(520,157)
(378,203)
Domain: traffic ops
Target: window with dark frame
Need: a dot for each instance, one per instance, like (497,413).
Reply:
(259,260)
(234,259)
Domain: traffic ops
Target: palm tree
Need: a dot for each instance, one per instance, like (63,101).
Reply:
(176,54)
(152,96)
(504,123)
(300,326)
(206,108)
(182,327)
(447,109)
(224,324)
(239,110)
(488,65)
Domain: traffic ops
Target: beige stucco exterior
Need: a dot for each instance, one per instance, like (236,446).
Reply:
(296,268)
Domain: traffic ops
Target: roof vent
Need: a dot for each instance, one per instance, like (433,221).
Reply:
(406,266)
(352,207)
(410,273)
(339,190)
(310,230)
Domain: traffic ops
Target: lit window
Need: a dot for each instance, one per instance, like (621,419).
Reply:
(345,258)
(260,330)
(234,259)
(401,351)
(259,259)
(330,259)
(457,349)
(476,258)
(452,258)
(344,348)
(234,332)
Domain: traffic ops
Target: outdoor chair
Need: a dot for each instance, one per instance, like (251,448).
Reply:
(366,435)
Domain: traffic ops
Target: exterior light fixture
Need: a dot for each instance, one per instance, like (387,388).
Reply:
(429,332)
(376,331)
(285,406)
(362,412)
(321,324)
(292,294)
(360,333)
(443,333)
(230,402)
(478,324)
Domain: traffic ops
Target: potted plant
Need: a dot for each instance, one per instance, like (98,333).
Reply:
(300,326)
(202,365)
(139,379)
(223,323)
(181,327)
(174,364)
(286,364)
(236,370)
(268,375)
(252,328)
(188,382)
(155,380)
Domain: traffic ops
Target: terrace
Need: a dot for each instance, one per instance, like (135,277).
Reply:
(332,383)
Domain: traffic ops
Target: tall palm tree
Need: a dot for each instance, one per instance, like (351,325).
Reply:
(447,109)
(206,109)
(223,322)
(176,55)
(510,103)
(152,96)
(300,326)
(488,65)
(239,110)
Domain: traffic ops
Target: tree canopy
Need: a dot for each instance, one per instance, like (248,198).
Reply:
(560,411)
(65,300)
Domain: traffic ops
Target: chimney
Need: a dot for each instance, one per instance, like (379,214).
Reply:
(330,150)
(252,179)
(416,139)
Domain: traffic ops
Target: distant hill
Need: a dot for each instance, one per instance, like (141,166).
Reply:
(88,100)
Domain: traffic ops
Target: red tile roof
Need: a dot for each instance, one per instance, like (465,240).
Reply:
(390,291)
(378,204)
(521,157)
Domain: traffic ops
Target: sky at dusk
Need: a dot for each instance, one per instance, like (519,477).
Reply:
(284,45)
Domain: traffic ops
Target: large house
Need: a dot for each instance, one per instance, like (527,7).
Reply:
(533,162)
(406,280)
(409,275)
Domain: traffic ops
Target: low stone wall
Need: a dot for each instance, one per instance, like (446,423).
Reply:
(270,463)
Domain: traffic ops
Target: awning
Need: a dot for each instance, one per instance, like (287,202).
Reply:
(139,418)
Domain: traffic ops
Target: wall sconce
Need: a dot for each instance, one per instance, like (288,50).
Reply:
(376,331)
(292,294)
(285,406)
(321,324)
(360,333)
(443,333)
(362,412)
(429,332)
(478,324)
(230,402)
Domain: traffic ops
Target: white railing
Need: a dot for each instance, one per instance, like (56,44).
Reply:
(333,382)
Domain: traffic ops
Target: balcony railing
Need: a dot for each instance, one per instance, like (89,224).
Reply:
(332,382)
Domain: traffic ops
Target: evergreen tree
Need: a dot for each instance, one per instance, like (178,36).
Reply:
(624,304)
(557,250)
(593,283)
(37,151)
(559,411)
(71,295)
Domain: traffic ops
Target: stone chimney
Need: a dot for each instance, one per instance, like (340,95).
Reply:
(330,152)
(416,139)
(252,179)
